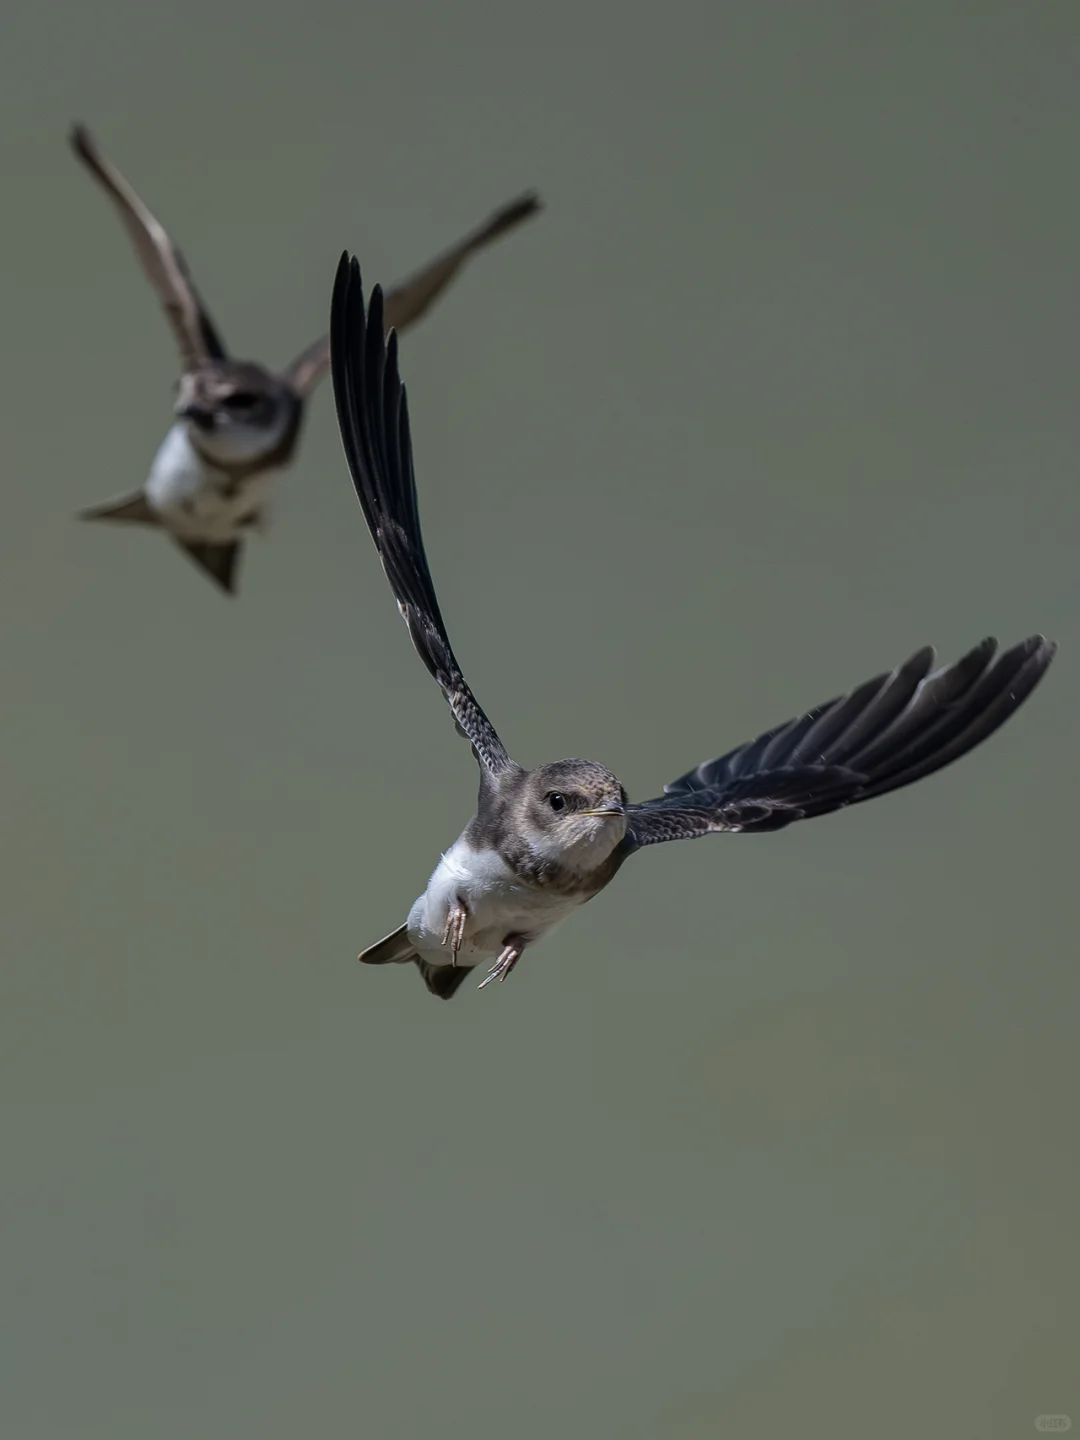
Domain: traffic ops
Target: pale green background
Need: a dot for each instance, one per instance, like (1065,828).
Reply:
(779,1137)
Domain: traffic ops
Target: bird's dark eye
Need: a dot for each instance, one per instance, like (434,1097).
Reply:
(556,801)
(240,400)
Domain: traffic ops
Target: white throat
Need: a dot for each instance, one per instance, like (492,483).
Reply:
(588,847)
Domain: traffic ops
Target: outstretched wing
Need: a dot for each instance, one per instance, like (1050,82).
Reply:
(889,732)
(305,372)
(408,301)
(374,421)
(162,262)
(413,297)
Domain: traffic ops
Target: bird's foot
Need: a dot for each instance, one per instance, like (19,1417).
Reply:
(511,954)
(454,933)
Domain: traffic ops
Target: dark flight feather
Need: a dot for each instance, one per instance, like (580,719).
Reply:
(373,417)
(889,732)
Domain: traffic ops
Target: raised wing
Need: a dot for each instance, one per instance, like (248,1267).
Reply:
(889,732)
(408,301)
(413,297)
(305,372)
(162,262)
(374,421)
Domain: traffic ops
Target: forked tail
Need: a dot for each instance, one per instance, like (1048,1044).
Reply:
(396,949)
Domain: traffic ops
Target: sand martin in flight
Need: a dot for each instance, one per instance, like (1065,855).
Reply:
(544,841)
(237,423)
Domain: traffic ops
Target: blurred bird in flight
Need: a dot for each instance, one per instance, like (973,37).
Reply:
(237,423)
(544,841)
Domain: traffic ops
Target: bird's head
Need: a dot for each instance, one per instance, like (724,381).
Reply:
(235,411)
(573,812)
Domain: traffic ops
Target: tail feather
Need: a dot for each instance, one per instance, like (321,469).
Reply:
(396,949)
(442,980)
(134,507)
(217,561)
(392,949)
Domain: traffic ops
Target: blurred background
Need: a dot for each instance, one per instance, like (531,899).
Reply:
(778,1137)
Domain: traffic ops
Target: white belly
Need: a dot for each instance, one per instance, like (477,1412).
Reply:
(187,493)
(497,902)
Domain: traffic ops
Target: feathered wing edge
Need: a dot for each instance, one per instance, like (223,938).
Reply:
(888,732)
(410,300)
(373,417)
(161,260)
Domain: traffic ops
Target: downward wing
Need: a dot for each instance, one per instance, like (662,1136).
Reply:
(374,421)
(889,732)
(413,297)
(162,262)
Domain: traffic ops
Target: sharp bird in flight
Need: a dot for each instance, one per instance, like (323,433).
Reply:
(543,841)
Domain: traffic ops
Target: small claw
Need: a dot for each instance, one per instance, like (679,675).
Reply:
(454,931)
(507,960)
